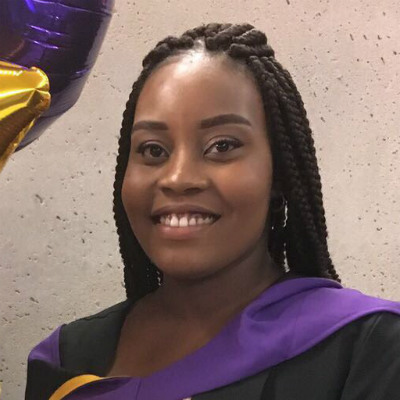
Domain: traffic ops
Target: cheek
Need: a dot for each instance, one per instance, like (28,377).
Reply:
(133,195)
(247,190)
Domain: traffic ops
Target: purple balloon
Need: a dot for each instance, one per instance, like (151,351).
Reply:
(61,37)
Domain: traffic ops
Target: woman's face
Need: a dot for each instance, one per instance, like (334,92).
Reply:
(202,123)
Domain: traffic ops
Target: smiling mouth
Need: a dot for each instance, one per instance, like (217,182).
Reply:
(183,231)
(185,220)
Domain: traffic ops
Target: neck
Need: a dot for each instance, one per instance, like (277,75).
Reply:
(217,298)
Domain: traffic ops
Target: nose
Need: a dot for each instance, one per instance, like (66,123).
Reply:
(183,173)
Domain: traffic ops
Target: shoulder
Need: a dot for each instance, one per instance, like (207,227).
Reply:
(114,312)
(81,336)
(378,339)
(368,337)
(321,307)
(375,363)
(48,349)
(81,346)
(89,343)
(374,336)
(380,327)
(361,360)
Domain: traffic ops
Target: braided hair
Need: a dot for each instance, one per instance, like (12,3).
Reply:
(297,232)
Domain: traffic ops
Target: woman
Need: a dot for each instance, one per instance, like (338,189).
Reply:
(231,290)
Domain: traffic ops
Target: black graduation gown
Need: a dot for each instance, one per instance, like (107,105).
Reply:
(360,361)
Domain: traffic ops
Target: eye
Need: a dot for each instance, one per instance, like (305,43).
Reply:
(223,145)
(155,149)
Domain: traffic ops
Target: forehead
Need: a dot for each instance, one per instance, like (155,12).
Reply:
(198,85)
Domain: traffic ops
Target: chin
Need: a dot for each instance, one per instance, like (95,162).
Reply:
(187,272)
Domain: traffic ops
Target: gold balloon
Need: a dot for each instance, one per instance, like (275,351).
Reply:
(24,96)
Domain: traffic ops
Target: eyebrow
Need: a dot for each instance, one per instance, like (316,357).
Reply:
(207,123)
(224,119)
(149,126)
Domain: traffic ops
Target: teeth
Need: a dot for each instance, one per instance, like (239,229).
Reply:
(186,220)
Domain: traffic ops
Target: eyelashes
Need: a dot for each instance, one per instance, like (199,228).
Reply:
(222,144)
(231,142)
(144,146)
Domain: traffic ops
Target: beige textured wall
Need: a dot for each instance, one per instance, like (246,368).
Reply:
(59,258)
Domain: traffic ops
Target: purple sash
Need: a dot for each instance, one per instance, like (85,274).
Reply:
(286,320)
